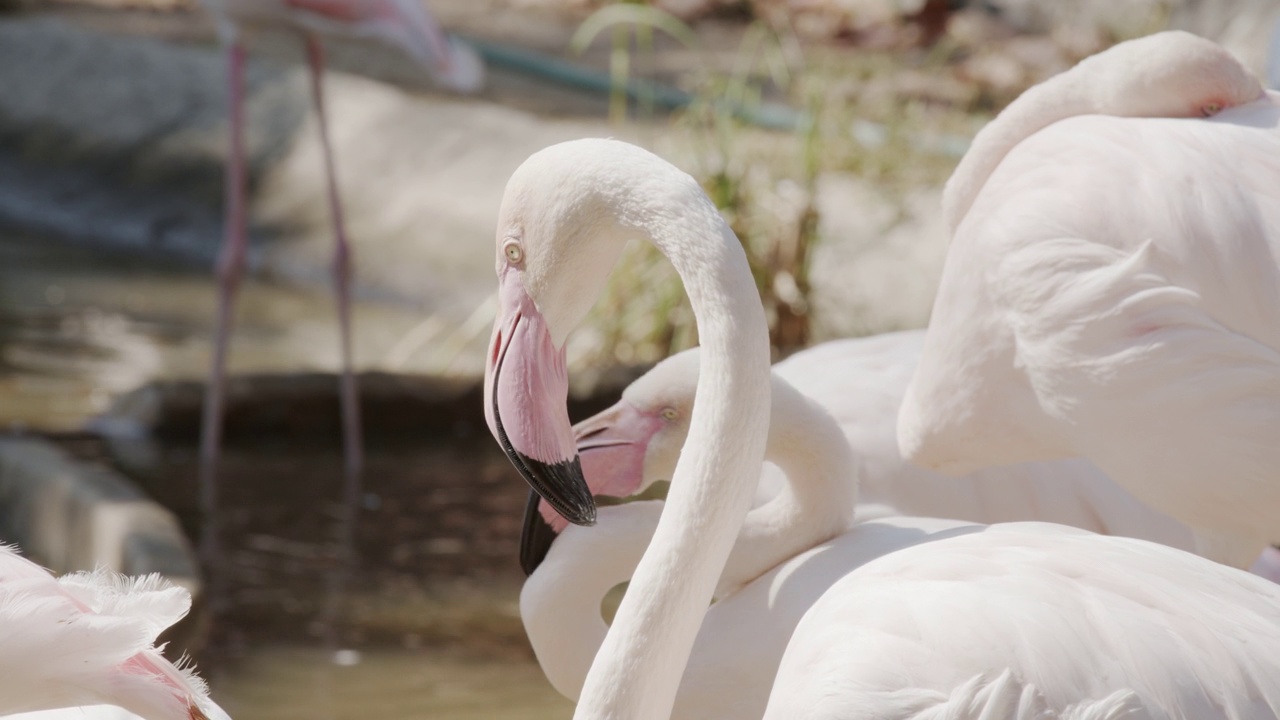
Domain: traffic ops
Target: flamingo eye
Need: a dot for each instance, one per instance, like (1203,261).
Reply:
(513,251)
(669,414)
(1211,109)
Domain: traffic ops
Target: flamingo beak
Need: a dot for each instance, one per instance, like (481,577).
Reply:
(536,535)
(611,448)
(526,387)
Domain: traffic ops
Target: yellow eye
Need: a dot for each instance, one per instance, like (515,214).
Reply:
(1211,109)
(669,414)
(514,252)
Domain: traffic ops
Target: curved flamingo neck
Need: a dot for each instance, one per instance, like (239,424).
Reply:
(637,671)
(816,501)
(1170,74)
(1058,98)
(560,602)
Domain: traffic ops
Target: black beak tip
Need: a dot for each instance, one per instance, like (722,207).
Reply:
(562,485)
(536,536)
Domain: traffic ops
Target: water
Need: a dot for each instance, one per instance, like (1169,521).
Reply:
(432,627)
(293,683)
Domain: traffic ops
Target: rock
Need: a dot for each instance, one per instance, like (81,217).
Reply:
(70,515)
(119,140)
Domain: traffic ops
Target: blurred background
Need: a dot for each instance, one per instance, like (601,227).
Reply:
(824,129)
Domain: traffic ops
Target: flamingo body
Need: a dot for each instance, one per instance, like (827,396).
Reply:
(88,639)
(1031,620)
(1114,293)
(743,636)
(862,381)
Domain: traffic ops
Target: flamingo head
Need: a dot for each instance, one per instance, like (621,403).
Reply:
(624,449)
(565,218)
(1170,74)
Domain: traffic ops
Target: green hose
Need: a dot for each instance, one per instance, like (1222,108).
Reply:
(773,116)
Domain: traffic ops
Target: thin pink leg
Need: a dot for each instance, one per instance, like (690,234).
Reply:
(230,267)
(352,444)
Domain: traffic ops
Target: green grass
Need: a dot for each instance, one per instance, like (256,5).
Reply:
(764,181)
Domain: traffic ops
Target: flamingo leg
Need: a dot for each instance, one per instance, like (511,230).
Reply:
(230,268)
(352,444)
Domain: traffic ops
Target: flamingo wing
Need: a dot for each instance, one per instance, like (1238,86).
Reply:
(1033,620)
(1114,293)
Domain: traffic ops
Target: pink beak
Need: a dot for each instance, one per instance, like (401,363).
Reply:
(612,445)
(526,386)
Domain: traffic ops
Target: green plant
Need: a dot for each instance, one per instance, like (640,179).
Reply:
(643,315)
(629,24)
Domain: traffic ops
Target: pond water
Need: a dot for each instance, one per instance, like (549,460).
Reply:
(299,683)
(428,626)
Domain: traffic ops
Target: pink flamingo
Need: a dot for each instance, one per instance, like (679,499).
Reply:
(402,23)
(89,639)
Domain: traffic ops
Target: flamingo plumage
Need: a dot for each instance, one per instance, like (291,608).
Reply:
(1112,290)
(89,639)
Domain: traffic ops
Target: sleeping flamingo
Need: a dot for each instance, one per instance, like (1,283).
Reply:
(1112,290)
(1020,620)
(401,23)
(89,639)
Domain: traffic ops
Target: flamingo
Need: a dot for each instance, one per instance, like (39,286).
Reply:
(1111,289)
(1048,620)
(89,639)
(805,443)
(401,23)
